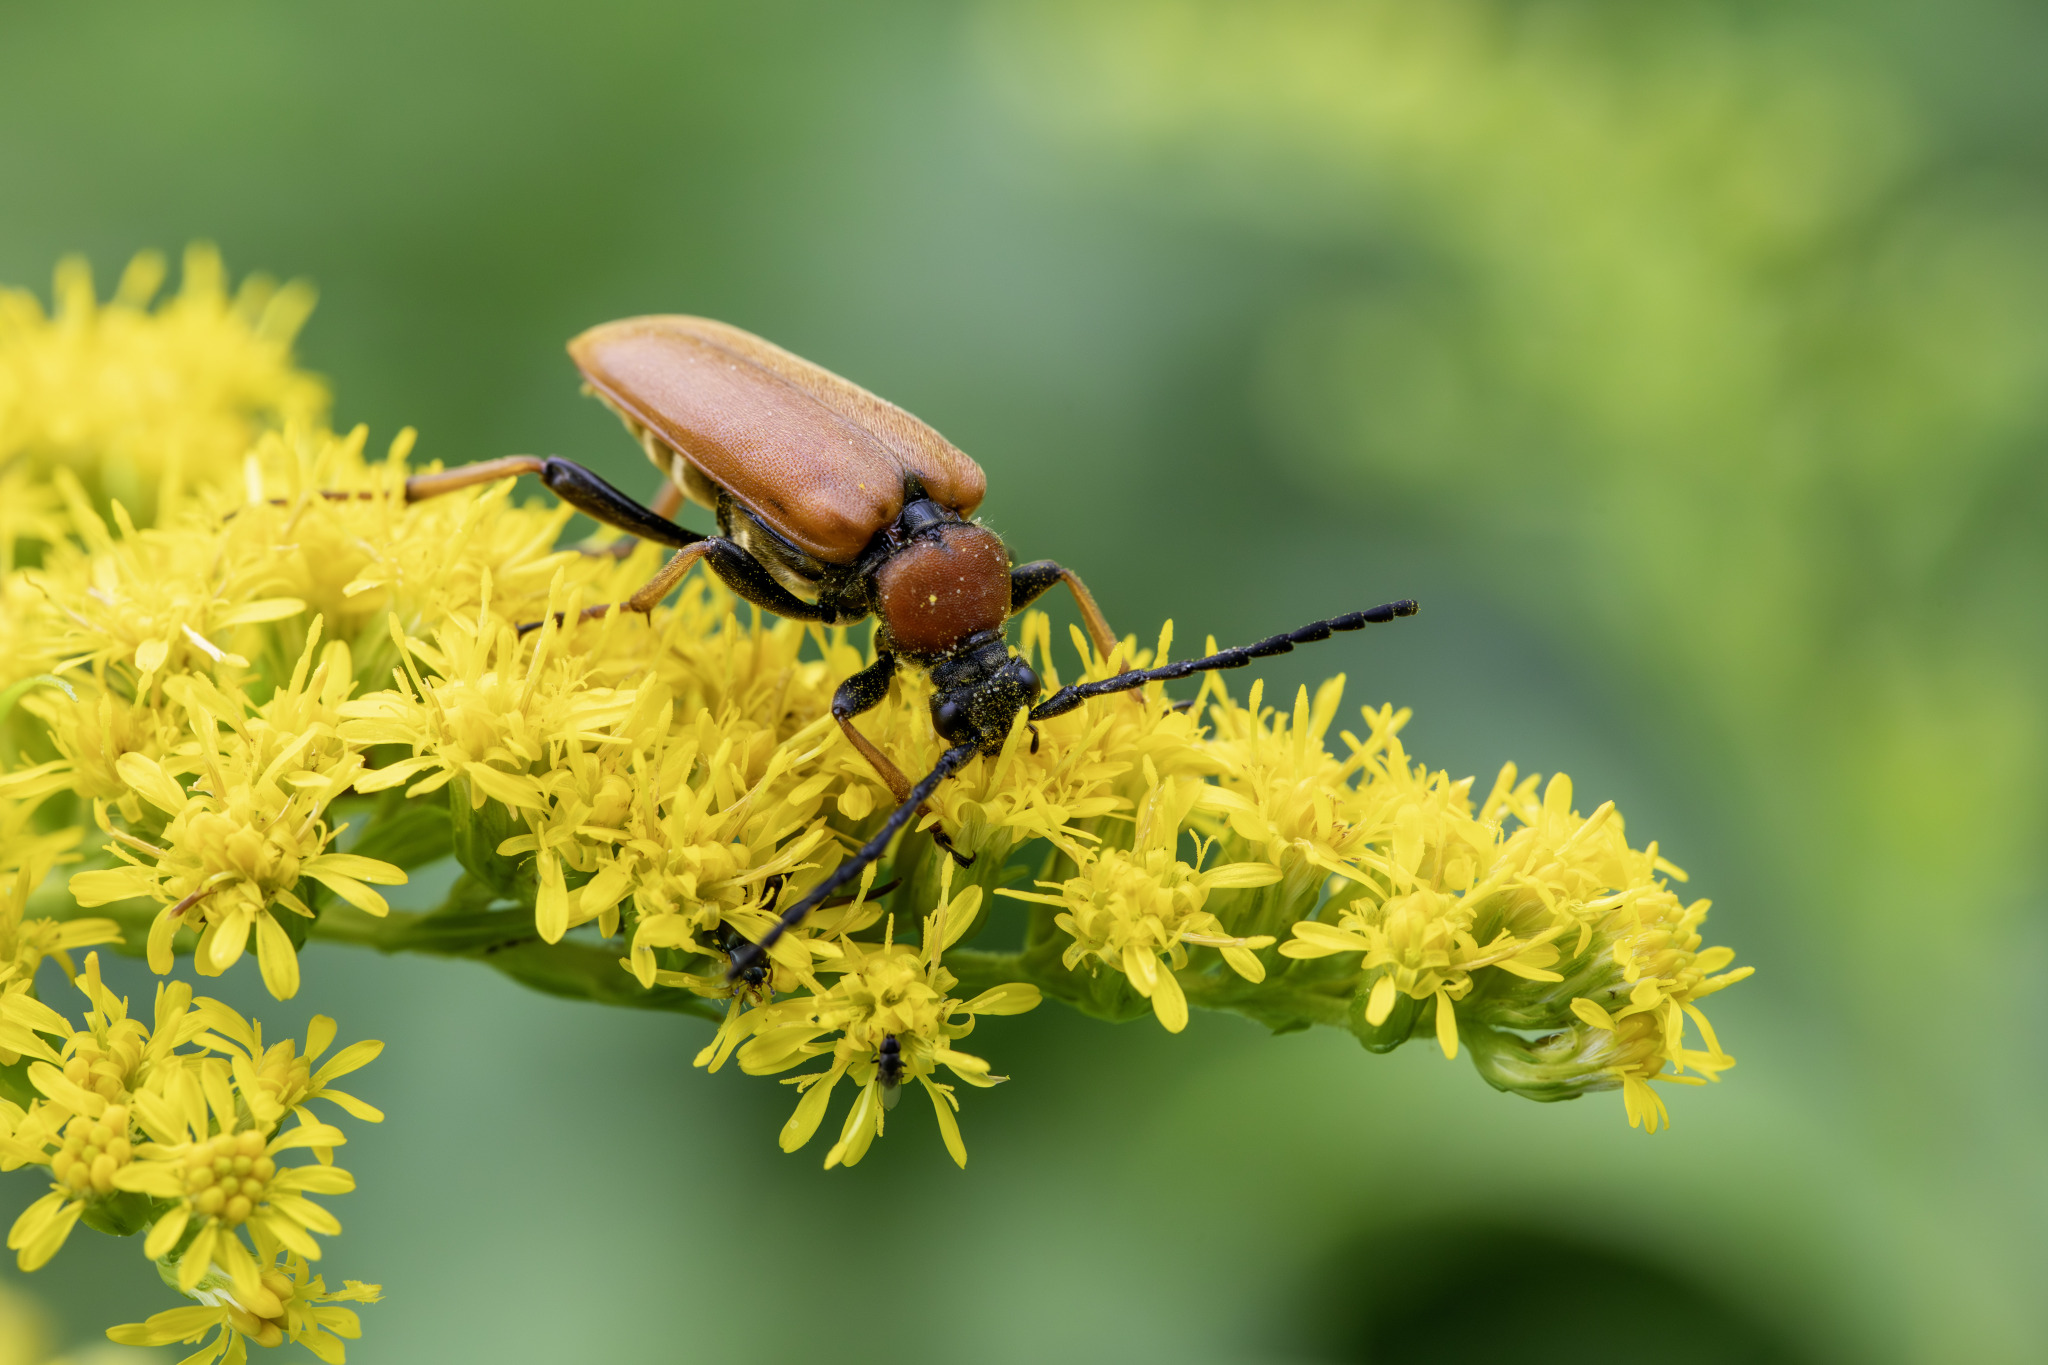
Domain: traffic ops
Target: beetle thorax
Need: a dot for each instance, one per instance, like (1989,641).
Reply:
(943,587)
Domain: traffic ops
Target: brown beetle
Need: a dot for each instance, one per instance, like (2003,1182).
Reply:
(833,505)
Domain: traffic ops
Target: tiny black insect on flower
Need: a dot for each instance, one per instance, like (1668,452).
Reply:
(889,1070)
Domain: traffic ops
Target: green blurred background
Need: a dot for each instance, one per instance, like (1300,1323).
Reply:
(1686,360)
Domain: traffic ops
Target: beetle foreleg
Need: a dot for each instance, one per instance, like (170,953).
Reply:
(1029,582)
(862,692)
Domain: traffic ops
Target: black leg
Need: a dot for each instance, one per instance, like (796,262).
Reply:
(665,503)
(1067,698)
(1029,582)
(601,502)
(570,482)
(865,690)
(746,576)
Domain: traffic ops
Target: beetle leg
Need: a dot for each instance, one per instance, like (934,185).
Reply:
(749,578)
(864,692)
(738,570)
(570,482)
(601,502)
(666,503)
(422,486)
(1028,582)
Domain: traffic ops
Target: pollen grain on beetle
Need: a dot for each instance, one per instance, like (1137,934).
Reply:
(246,683)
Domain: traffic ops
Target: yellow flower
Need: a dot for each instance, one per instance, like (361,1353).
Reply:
(1553,923)
(89,1153)
(290,1304)
(237,843)
(85,1127)
(140,402)
(280,1078)
(138,1133)
(220,1184)
(26,857)
(1134,911)
(22,1017)
(887,1019)
(147,603)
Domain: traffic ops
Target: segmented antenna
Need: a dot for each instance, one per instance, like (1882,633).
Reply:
(746,955)
(1059,703)
(1067,698)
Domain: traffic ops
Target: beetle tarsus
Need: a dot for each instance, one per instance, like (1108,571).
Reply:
(595,613)
(945,841)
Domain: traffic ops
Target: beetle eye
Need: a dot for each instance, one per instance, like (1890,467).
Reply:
(949,718)
(1026,676)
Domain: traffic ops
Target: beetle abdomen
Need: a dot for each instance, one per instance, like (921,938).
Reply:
(815,456)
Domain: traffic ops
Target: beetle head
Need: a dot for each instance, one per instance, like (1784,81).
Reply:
(978,691)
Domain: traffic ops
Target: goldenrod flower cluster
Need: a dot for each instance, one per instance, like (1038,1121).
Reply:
(233,708)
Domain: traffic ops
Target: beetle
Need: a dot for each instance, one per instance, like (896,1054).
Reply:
(833,505)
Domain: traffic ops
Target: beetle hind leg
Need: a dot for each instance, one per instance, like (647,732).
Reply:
(666,504)
(650,594)
(573,484)
(735,568)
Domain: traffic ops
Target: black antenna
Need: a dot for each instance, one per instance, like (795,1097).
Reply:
(1067,698)
(747,954)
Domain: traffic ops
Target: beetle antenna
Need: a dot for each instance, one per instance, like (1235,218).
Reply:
(747,954)
(1067,698)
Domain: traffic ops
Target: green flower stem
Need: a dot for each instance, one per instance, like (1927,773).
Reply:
(1286,1002)
(979,970)
(461,927)
(504,941)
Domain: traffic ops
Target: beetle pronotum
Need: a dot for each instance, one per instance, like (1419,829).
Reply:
(834,505)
